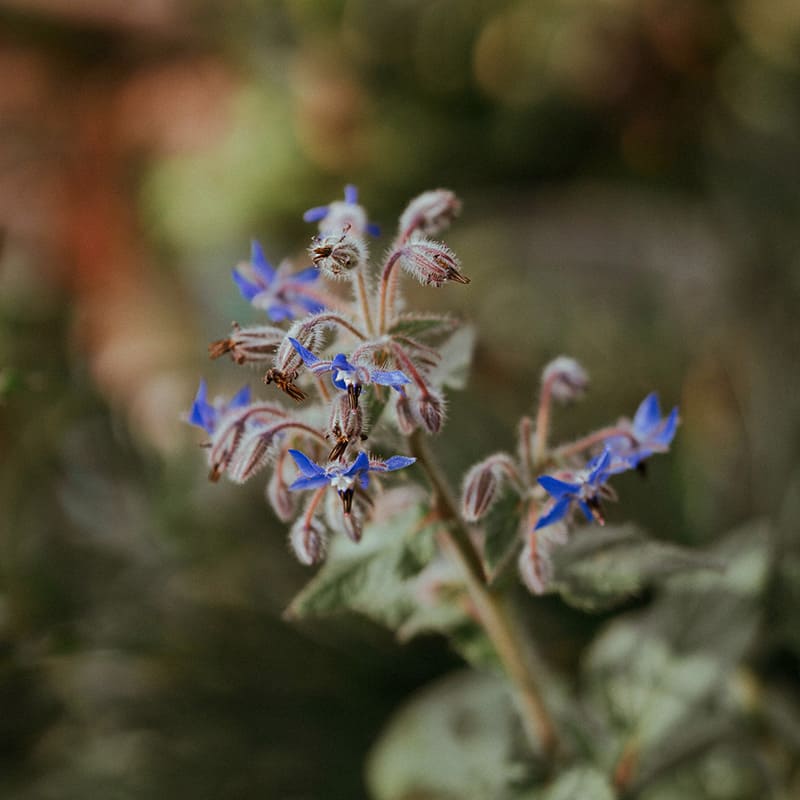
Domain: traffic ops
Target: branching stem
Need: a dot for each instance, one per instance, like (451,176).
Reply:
(494,608)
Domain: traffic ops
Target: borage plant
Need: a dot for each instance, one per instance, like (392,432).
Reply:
(347,468)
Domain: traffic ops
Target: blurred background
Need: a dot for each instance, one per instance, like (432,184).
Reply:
(630,173)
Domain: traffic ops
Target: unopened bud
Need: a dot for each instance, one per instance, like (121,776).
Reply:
(479,492)
(308,540)
(535,567)
(567,379)
(338,255)
(430,212)
(430,408)
(346,427)
(431,263)
(406,421)
(253,345)
(283,501)
(251,455)
(343,216)
(353,525)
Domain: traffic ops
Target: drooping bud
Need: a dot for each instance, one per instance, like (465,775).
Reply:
(348,522)
(252,454)
(346,427)
(430,212)
(431,263)
(308,539)
(279,497)
(431,410)
(338,256)
(252,345)
(406,421)
(479,492)
(535,566)
(567,379)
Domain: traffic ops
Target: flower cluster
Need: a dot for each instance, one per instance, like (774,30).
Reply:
(572,479)
(368,343)
(377,371)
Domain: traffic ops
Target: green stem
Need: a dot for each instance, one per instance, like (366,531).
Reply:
(494,609)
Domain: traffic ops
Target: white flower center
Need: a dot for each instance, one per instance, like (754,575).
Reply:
(345,377)
(342,483)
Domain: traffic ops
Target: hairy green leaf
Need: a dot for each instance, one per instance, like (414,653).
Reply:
(419,324)
(577,783)
(599,568)
(501,530)
(455,739)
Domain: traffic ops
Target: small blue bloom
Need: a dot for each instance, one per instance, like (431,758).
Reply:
(648,433)
(349,377)
(335,216)
(206,415)
(584,491)
(282,294)
(342,477)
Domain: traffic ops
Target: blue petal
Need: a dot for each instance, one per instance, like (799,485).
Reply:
(278,312)
(556,513)
(263,268)
(306,466)
(587,512)
(312,306)
(202,413)
(597,466)
(373,229)
(241,398)
(667,433)
(350,194)
(309,359)
(397,462)
(363,480)
(389,378)
(340,362)
(556,487)
(308,275)
(361,464)
(249,290)
(202,392)
(647,415)
(313,482)
(315,214)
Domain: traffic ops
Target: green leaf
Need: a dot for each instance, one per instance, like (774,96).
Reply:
(374,401)
(599,568)
(577,783)
(371,577)
(654,675)
(455,739)
(415,325)
(501,530)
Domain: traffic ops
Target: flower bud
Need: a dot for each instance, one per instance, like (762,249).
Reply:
(535,566)
(430,408)
(480,491)
(308,540)
(406,421)
(431,263)
(343,216)
(251,455)
(252,345)
(283,501)
(346,427)
(338,256)
(567,379)
(430,212)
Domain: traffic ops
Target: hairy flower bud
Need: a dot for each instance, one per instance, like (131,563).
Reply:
(535,567)
(308,539)
(567,379)
(431,410)
(431,263)
(251,455)
(251,345)
(338,256)
(346,427)
(479,491)
(280,498)
(406,421)
(430,212)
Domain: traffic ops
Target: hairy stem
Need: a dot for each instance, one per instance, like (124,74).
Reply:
(494,608)
(579,445)
(363,301)
(386,290)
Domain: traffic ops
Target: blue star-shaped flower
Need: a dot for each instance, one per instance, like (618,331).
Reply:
(349,377)
(341,477)
(337,215)
(206,415)
(648,433)
(584,491)
(281,293)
